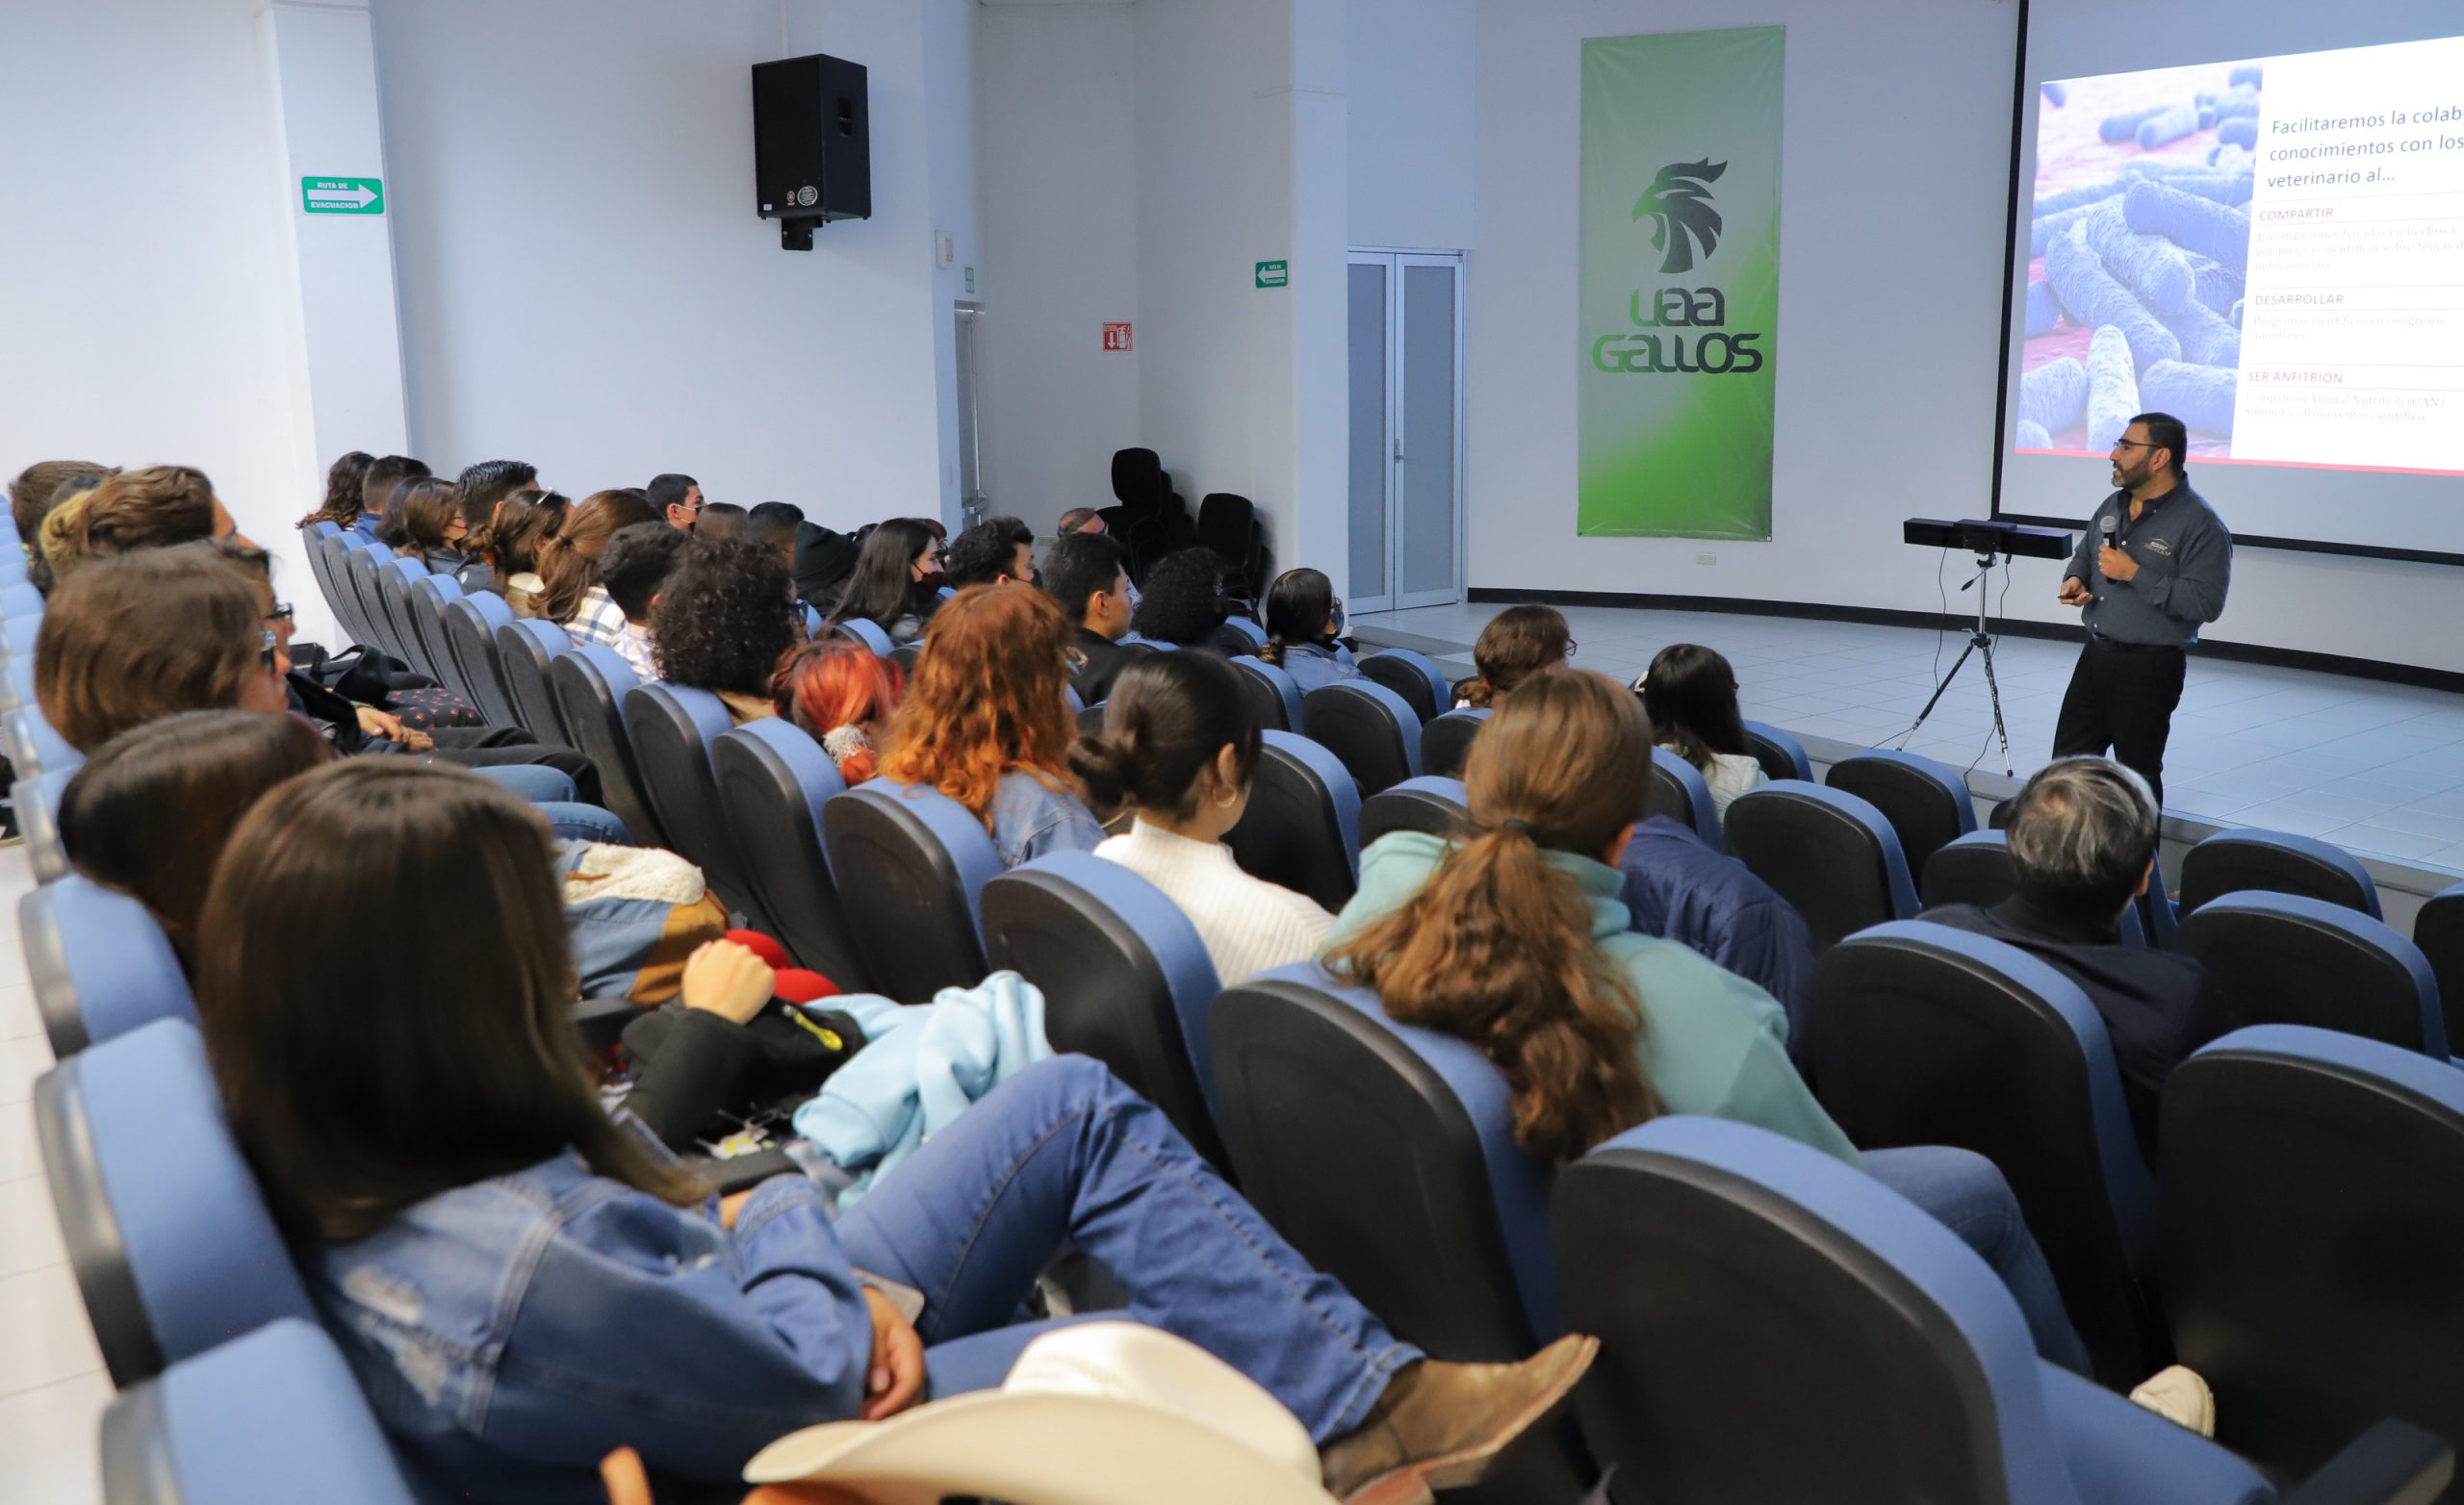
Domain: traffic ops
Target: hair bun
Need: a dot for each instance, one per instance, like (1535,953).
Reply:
(1106,766)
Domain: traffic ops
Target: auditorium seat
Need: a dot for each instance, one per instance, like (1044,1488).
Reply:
(173,1246)
(394,578)
(37,803)
(31,745)
(1124,976)
(20,599)
(1386,1154)
(672,729)
(906,655)
(526,649)
(471,623)
(425,601)
(2276,863)
(1091,721)
(18,636)
(1678,791)
(317,547)
(2438,930)
(867,632)
(917,862)
(1828,852)
(2287,959)
(1924,1034)
(1424,687)
(1975,869)
(1255,635)
(1369,727)
(773,782)
(1302,827)
(275,1418)
(360,570)
(2315,1240)
(1426,804)
(1274,695)
(99,965)
(1775,1327)
(1780,753)
(1227,523)
(590,686)
(1926,803)
(342,586)
(1446,743)
(17,678)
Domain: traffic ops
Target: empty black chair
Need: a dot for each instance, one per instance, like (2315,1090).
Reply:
(1302,827)
(1926,803)
(1273,696)
(672,729)
(1828,852)
(1447,742)
(590,685)
(2314,1238)
(2291,959)
(1678,791)
(2438,930)
(470,625)
(916,862)
(1124,976)
(773,782)
(1924,1034)
(2276,863)
(1413,676)
(1371,729)
(1227,523)
(1781,754)
(1427,803)
(526,650)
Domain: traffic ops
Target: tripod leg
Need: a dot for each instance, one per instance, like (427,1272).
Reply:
(1994,692)
(1936,697)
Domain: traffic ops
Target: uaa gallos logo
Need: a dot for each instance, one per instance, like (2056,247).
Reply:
(1679,202)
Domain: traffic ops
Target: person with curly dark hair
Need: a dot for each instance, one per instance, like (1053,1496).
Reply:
(1182,603)
(725,616)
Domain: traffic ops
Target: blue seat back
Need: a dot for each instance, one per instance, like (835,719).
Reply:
(1926,803)
(324,527)
(527,650)
(672,729)
(324,556)
(394,579)
(1446,743)
(1414,676)
(2279,862)
(924,859)
(1925,1035)
(590,685)
(1427,803)
(1975,869)
(360,568)
(424,603)
(1274,695)
(174,1248)
(471,623)
(1828,852)
(1369,727)
(1678,791)
(2287,958)
(773,782)
(351,581)
(34,747)
(19,634)
(100,965)
(1302,827)
(37,805)
(2438,930)
(20,599)
(20,672)
(866,631)
(1256,635)
(1125,978)
(1779,752)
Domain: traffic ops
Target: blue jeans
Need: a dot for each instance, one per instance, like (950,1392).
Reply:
(1965,1193)
(1064,1153)
(535,782)
(573,822)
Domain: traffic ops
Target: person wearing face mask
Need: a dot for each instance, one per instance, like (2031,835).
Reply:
(1304,623)
(897,580)
(1087,575)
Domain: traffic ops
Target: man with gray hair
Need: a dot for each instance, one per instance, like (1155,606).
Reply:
(2083,839)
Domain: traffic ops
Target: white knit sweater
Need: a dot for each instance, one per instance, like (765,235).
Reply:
(1248,925)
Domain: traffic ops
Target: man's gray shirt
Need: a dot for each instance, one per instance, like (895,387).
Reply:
(2185,558)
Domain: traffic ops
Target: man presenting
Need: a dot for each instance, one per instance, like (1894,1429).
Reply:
(2152,565)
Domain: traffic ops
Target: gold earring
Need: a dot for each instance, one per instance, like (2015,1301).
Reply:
(1225,798)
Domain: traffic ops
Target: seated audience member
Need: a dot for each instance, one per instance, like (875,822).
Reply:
(1086,574)
(1079,520)
(1304,621)
(841,695)
(152,807)
(1179,746)
(38,489)
(1183,603)
(511,543)
(1513,940)
(536,1238)
(720,521)
(344,479)
(678,499)
(824,562)
(631,568)
(425,519)
(722,620)
(1518,643)
(132,510)
(1690,694)
(996,551)
(383,475)
(1678,888)
(986,721)
(571,593)
(2083,838)
(773,525)
(486,487)
(132,639)
(896,581)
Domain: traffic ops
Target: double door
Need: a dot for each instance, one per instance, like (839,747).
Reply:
(1405,320)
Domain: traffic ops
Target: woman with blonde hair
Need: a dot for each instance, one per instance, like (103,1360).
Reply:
(1518,643)
(986,722)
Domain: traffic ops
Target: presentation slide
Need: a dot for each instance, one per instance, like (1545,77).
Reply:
(2271,248)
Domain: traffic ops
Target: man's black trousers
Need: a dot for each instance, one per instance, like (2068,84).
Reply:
(2122,697)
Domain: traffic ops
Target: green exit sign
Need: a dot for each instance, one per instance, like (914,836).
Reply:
(1274,275)
(342,195)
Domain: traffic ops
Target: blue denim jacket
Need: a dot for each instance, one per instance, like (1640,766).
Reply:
(511,1333)
(1314,666)
(1030,819)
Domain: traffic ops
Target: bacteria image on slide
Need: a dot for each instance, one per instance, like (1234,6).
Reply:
(2139,242)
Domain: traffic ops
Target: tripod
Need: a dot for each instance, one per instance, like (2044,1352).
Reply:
(1979,641)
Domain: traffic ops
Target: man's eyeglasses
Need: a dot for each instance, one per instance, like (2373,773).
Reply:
(2134,443)
(282,612)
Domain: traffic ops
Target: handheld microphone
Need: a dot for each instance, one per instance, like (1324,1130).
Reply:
(2108,526)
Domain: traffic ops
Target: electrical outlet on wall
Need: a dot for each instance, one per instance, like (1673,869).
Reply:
(1707,559)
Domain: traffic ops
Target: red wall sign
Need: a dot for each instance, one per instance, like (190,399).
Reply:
(1117,336)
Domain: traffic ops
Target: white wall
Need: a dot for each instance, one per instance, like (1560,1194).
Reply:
(1408,87)
(1895,166)
(585,283)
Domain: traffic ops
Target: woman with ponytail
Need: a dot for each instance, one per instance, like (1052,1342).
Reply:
(1305,629)
(1178,748)
(841,695)
(1518,643)
(569,593)
(1514,940)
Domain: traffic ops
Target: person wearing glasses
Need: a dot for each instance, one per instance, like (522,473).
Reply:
(2154,564)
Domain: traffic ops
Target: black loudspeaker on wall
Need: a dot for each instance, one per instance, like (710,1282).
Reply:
(811,146)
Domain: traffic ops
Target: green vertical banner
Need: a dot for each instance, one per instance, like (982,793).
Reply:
(1680,283)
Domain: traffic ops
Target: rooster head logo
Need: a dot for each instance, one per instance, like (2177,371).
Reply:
(1679,202)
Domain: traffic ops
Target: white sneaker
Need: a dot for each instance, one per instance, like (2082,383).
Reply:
(2180,1396)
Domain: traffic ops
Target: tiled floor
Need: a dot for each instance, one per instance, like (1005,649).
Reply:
(52,1383)
(2376,768)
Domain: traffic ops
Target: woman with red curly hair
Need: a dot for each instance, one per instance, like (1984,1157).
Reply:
(841,695)
(986,722)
